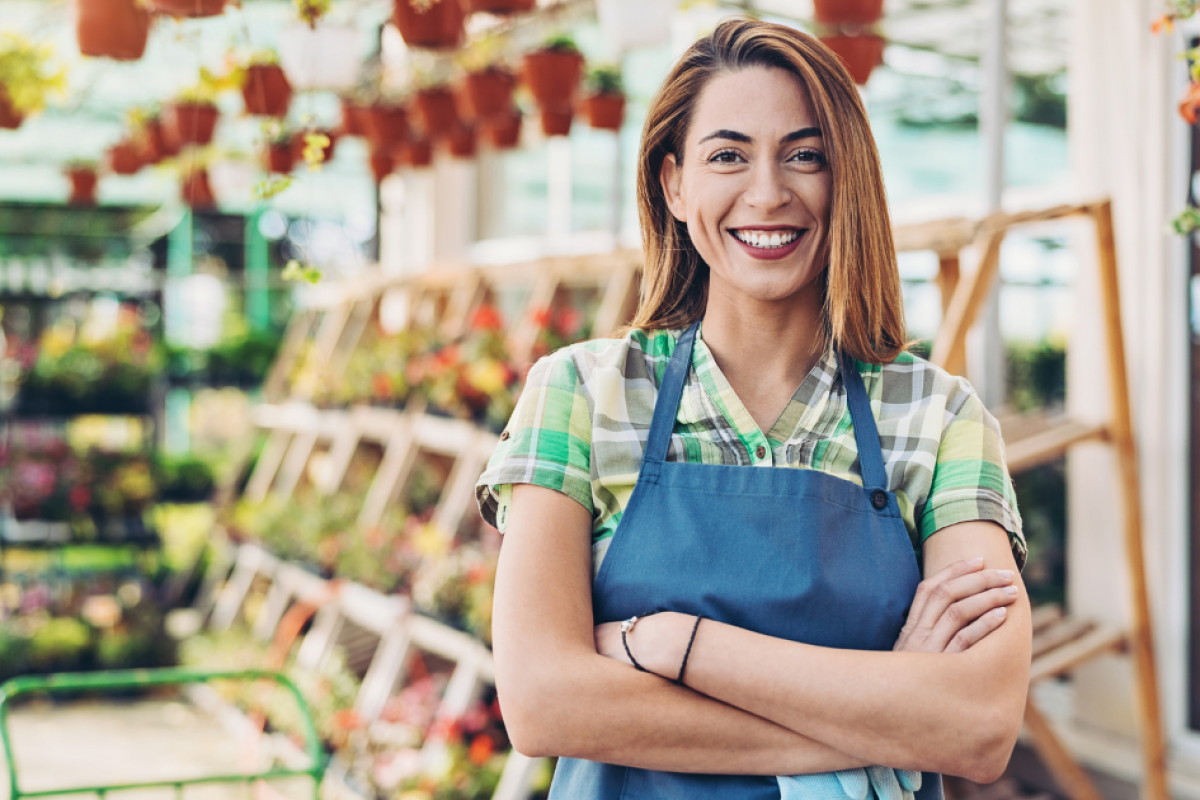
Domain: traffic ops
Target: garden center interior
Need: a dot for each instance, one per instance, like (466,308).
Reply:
(272,273)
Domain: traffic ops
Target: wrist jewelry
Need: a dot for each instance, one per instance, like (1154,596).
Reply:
(626,627)
(688,652)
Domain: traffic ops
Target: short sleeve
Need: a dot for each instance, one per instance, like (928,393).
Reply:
(970,478)
(547,442)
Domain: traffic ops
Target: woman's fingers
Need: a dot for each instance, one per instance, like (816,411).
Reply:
(973,633)
(965,613)
(927,586)
(942,597)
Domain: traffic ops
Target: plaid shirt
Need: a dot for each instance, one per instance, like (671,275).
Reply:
(581,424)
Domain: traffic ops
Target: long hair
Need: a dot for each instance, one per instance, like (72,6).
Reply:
(863,312)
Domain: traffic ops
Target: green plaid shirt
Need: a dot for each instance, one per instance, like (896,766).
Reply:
(581,424)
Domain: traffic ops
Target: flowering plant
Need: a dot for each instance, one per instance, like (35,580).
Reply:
(472,762)
(557,328)
(457,587)
(377,374)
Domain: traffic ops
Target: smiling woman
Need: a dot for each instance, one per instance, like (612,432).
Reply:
(674,621)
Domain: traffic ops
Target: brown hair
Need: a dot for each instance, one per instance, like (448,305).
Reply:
(863,311)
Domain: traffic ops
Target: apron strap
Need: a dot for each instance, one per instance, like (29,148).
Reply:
(670,392)
(866,435)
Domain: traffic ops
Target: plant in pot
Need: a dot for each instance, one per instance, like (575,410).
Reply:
(192,117)
(116,29)
(312,11)
(461,142)
(386,123)
(125,157)
(486,90)
(83,178)
(188,8)
(505,132)
(417,153)
(605,103)
(194,186)
(383,163)
(429,24)
(279,156)
(355,110)
(314,147)
(552,74)
(860,52)
(28,76)
(265,87)
(436,110)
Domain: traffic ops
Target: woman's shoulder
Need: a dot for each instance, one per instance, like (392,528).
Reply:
(636,354)
(910,382)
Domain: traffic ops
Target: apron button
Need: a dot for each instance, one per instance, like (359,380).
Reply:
(879,499)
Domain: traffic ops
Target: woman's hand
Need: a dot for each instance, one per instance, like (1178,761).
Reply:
(956,607)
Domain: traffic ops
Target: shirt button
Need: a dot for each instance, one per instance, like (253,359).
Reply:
(761,451)
(503,435)
(879,499)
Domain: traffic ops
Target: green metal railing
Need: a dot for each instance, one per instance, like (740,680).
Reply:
(76,682)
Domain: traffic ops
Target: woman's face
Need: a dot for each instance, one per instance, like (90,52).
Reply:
(754,186)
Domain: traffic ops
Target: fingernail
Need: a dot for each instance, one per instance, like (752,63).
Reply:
(1010,590)
(1000,612)
(1006,574)
(975,562)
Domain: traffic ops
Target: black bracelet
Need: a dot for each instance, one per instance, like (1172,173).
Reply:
(688,652)
(627,626)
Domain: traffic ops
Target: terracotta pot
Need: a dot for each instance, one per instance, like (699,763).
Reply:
(354,118)
(847,12)
(505,132)
(83,186)
(10,118)
(556,122)
(196,190)
(280,157)
(438,27)
(605,112)
(116,29)
(461,142)
(487,94)
(266,90)
(500,6)
(124,158)
(418,153)
(383,163)
(437,112)
(860,54)
(386,125)
(156,142)
(552,76)
(298,146)
(189,8)
(191,123)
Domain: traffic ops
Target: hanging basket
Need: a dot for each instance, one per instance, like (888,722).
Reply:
(461,142)
(266,91)
(354,118)
(605,112)
(386,125)
(10,118)
(188,8)
(505,132)
(116,29)
(418,153)
(191,123)
(628,24)
(197,192)
(500,7)
(552,76)
(83,186)
(383,163)
(325,57)
(847,12)
(556,122)
(860,54)
(124,158)
(487,94)
(438,26)
(280,157)
(436,111)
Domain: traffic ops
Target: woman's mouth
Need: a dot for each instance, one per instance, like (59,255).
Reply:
(768,244)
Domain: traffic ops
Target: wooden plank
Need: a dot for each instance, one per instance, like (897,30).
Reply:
(399,456)
(341,453)
(1067,772)
(949,272)
(465,297)
(1058,634)
(541,295)
(949,346)
(1050,444)
(619,300)
(1099,640)
(267,466)
(458,495)
(275,386)
(387,669)
(324,342)
(361,313)
(250,562)
(295,463)
(1044,616)
(940,236)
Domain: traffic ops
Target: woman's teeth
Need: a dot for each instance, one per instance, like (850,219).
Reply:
(766,240)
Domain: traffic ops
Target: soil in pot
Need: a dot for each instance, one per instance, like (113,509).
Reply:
(552,76)
(500,6)
(555,122)
(10,118)
(189,8)
(386,125)
(124,158)
(436,111)
(354,118)
(605,112)
(436,27)
(280,157)
(266,90)
(116,29)
(461,142)
(83,186)
(196,190)
(191,123)
(860,54)
(847,12)
(505,132)
(487,94)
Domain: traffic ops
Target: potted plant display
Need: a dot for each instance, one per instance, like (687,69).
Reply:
(195,189)
(861,53)
(116,29)
(430,24)
(27,78)
(125,157)
(279,154)
(320,55)
(83,178)
(487,93)
(555,121)
(847,12)
(605,104)
(192,117)
(188,8)
(552,74)
(461,142)
(436,110)
(265,87)
(505,132)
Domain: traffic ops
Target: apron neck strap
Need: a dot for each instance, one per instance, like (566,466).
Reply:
(670,392)
(866,435)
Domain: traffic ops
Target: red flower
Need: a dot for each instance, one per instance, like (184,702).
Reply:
(540,317)
(569,322)
(381,386)
(1164,23)
(1190,106)
(481,750)
(79,497)
(486,318)
(347,719)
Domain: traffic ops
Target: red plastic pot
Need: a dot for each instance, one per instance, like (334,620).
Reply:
(189,8)
(298,146)
(847,12)
(501,7)
(383,163)
(461,142)
(191,123)
(354,118)
(437,111)
(10,118)
(266,90)
(418,153)
(116,29)
(280,157)
(124,158)
(556,122)
(860,54)
(487,94)
(386,125)
(83,186)
(438,27)
(605,112)
(196,190)
(552,76)
(505,132)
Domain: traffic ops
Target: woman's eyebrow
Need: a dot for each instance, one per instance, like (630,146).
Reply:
(723,133)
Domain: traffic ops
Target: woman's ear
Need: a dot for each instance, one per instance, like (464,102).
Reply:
(671,177)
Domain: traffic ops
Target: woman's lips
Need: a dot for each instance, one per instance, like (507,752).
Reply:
(770,253)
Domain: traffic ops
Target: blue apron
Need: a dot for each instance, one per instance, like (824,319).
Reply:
(796,554)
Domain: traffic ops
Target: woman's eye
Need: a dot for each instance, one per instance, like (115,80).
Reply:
(815,157)
(725,157)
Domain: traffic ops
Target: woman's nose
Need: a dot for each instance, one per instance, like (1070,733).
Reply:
(767,190)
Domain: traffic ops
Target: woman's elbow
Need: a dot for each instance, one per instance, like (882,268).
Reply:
(993,743)
(538,708)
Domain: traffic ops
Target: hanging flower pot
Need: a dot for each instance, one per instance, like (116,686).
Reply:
(505,132)
(556,122)
(605,105)
(418,153)
(386,125)
(10,118)
(435,106)
(552,74)
(461,142)
(628,24)
(116,29)
(124,158)
(354,118)
(432,24)
(196,190)
(300,144)
(860,54)
(383,163)
(280,157)
(847,12)
(157,142)
(501,7)
(188,8)
(83,186)
(487,93)
(325,57)
(266,90)
(191,122)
